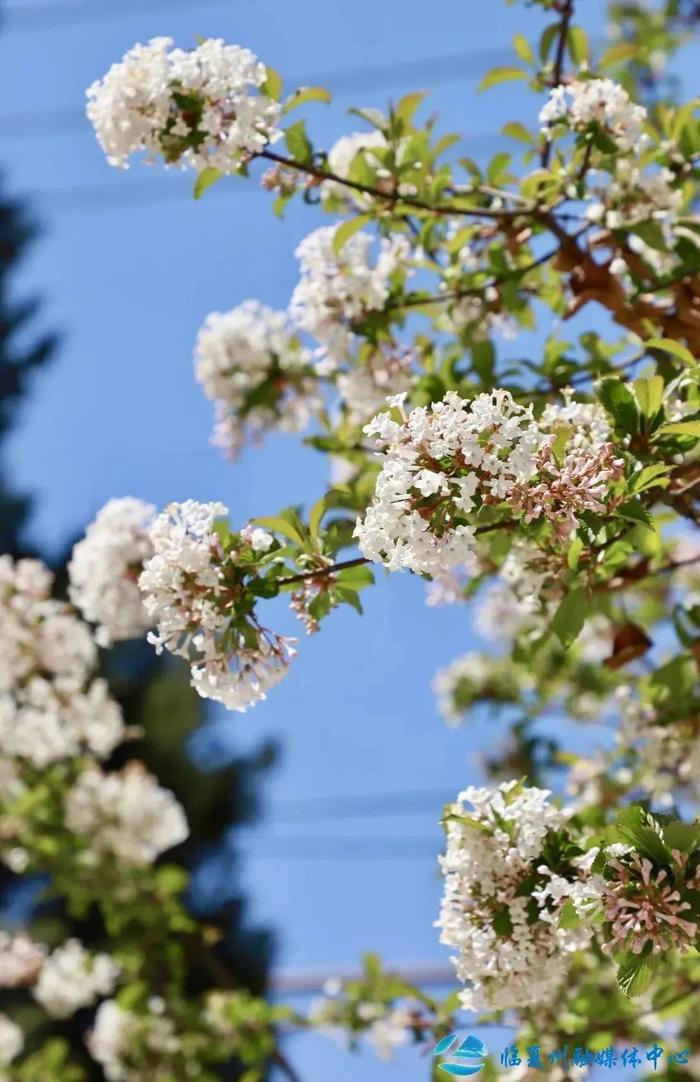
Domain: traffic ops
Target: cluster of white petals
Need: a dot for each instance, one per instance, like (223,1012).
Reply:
(508,955)
(254,370)
(11,1040)
(105,567)
(128,1046)
(633,196)
(442,462)
(438,465)
(203,107)
(71,978)
(341,157)
(190,601)
(338,287)
(21,959)
(50,707)
(124,814)
(365,388)
(603,102)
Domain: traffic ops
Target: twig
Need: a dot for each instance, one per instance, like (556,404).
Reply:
(566,17)
(323,572)
(393,197)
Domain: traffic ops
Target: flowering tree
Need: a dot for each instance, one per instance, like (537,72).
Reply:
(560,491)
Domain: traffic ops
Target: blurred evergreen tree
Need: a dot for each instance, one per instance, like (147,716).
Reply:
(157,700)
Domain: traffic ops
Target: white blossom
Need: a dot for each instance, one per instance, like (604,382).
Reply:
(11,1040)
(337,288)
(340,158)
(365,388)
(50,708)
(21,959)
(204,107)
(71,978)
(254,370)
(105,567)
(125,814)
(418,518)
(597,101)
(128,1046)
(189,599)
(506,958)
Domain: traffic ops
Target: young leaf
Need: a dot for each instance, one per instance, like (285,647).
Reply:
(501,75)
(304,95)
(298,143)
(523,48)
(273,84)
(668,345)
(620,403)
(570,617)
(635,972)
(348,229)
(205,179)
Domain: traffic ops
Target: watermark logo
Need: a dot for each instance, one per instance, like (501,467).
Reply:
(471,1048)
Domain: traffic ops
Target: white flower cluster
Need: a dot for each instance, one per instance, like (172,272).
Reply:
(192,604)
(11,1040)
(508,956)
(50,707)
(128,1046)
(602,102)
(365,388)
(203,107)
(71,978)
(633,196)
(341,157)
(444,461)
(417,519)
(124,814)
(256,373)
(666,755)
(475,676)
(21,959)
(337,288)
(105,567)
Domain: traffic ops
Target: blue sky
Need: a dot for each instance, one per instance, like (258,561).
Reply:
(129,266)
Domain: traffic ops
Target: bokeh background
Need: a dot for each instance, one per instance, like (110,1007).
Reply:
(343,855)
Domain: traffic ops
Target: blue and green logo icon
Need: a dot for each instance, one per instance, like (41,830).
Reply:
(471,1048)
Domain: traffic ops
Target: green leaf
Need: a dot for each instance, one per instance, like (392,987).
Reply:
(668,345)
(501,75)
(574,554)
(357,577)
(518,131)
(304,95)
(578,45)
(315,515)
(546,40)
(407,105)
(348,229)
(680,428)
(620,403)
(650,395)
(280,525)
(298,143)
(637,828)
(568,917)
(654,476)
(570,617)
(205,179)
(636,971)
(499,164)
(523,48)
(273,84)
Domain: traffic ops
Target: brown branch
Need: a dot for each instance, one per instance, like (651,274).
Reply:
(323,572)
(566,17)
(320,174)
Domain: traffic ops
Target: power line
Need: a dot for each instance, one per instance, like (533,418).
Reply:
(364,805)
(439,69)
(421,974)
(341,849)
